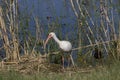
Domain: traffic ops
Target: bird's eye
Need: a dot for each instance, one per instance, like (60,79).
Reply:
(50,34)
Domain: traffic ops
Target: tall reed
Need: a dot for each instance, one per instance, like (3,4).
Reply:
(9,29)
(106,26)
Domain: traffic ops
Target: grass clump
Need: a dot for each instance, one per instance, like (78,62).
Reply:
(105,73)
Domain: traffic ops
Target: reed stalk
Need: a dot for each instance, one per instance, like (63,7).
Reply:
(10,31)
(14,29)
(118,44)
(4,35)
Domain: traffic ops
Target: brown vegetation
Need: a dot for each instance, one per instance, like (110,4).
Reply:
(31,60)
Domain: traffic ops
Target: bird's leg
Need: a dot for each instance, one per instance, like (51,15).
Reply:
(69,60)
(72,60)
(63,61)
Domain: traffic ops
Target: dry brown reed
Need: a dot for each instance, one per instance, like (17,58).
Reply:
(4,34)
(108,36)
(10,31)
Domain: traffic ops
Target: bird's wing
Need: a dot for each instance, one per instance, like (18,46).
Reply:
(65,45)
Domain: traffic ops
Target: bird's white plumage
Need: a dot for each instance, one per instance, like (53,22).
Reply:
(65,46)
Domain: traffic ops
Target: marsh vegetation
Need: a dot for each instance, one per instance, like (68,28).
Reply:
(93,30)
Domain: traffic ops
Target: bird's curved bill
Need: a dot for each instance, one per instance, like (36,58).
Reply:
(46,41)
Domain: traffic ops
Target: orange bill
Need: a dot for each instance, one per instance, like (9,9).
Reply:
(47,41)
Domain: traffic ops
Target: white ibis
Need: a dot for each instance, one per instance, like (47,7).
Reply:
(65,46)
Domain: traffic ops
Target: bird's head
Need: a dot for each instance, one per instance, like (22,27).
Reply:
(51,34)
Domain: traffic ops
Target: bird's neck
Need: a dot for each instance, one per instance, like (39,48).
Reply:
(56,39)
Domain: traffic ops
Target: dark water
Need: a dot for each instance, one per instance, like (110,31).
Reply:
(61,12)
